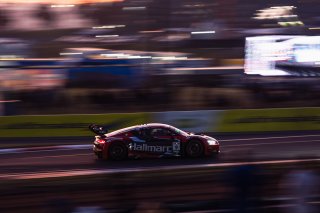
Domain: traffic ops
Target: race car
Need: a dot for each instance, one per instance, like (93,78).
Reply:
(151,140)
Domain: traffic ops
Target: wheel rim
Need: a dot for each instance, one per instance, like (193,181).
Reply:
(194,149)
(117,152)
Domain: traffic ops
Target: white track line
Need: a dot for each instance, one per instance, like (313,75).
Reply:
(45,149)
(50,156)
(72,173)
(87,146)
(267,138)
(271,143)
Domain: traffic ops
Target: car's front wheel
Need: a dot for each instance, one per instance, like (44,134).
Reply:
(194,149)
(118,151)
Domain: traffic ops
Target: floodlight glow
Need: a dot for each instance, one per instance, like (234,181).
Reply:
(203,32)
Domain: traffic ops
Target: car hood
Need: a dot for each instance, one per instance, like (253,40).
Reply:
(201,136)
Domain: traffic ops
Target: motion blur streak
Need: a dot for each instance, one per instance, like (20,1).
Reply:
(55,156)
(288,142)
(56,1)
(244,72)
(44,149)
(25,176)
(267,138)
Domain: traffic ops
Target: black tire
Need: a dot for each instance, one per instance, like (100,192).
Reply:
(118,151)
(194,149)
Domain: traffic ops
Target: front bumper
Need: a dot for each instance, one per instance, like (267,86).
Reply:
(213,149)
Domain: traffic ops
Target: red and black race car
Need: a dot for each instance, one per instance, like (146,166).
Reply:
(151,140)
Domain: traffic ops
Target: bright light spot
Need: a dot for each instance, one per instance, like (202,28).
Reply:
(290,23)
(137,57)
(106,36)
(307,55)
(314,28)
(166,58)
(275,13)
(275,17)
(122,55)
(133,8)
(283,7)
(71,53)
(203,32)
(63,5)
(108,27)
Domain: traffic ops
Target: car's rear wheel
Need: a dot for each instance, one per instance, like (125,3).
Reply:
(118,151)
(194,149)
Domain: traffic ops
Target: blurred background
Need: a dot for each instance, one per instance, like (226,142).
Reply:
(192,56)
(126,56)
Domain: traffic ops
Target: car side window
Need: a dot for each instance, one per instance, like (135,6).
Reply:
(143,133)
(135,133)
(160,132)
(139,133)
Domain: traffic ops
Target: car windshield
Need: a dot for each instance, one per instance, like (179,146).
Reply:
(178,131)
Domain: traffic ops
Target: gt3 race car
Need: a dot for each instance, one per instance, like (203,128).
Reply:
(151,140)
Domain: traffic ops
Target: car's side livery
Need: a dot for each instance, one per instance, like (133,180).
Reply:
(151,140)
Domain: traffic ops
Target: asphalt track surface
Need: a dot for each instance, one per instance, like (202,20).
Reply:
(234,149)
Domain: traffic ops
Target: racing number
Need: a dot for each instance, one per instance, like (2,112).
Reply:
(176,147)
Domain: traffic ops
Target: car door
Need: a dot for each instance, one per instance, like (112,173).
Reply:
(159,141)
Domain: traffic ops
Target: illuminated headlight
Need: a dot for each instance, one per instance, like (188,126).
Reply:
(212,142)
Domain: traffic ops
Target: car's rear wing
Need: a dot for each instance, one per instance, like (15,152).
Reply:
(97,129)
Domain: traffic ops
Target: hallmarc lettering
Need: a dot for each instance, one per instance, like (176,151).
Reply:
(145,147)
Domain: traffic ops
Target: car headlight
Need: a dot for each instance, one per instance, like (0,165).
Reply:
(212,142)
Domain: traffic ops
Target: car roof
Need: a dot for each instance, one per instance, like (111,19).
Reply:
(156,125)
(130,128)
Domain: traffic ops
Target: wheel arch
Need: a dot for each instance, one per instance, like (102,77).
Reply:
(194,140)
(113,143)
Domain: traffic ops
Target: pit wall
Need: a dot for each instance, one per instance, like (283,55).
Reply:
(218,121)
